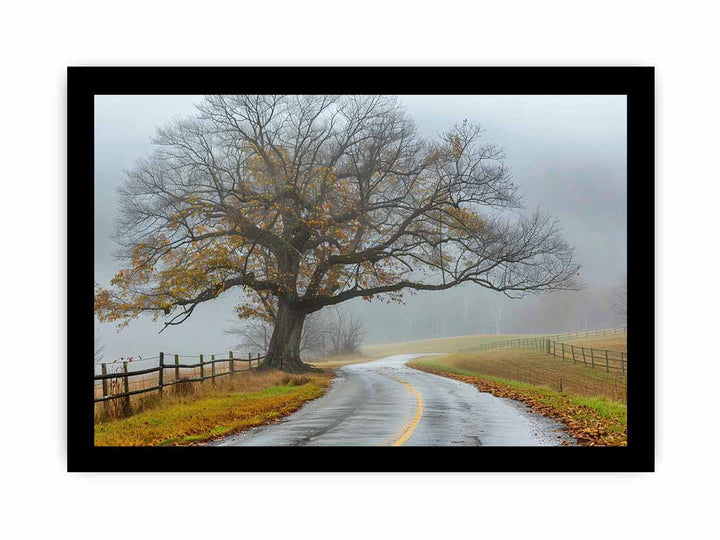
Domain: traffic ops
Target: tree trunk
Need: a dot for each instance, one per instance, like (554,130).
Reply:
(284,350)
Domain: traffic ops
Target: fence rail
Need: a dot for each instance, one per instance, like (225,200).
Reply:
(116,392)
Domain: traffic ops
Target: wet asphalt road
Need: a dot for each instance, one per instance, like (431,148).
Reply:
(387,403)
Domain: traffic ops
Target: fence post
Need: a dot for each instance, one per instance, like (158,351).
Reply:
(161,373)
(554,348)
(232,363)
(572,349)
(563,350)
(177,367)
(607,366)
(592,357)
(126,400)
(249,361)
(104,386)
(202,368)
(212,369)
(622,362)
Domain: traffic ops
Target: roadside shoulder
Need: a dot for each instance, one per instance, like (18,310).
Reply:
(591,421)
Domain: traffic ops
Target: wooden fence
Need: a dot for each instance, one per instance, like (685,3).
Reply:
(111,382)
(588,356)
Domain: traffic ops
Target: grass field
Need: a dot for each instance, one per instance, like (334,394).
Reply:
(612,343)
(436,345)
(246,400)
(537,368)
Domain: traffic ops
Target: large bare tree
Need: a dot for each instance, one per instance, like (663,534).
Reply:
(304,202)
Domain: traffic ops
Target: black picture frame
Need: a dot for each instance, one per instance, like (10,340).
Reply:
(637,83)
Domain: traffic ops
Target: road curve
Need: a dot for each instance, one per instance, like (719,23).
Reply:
(386,403)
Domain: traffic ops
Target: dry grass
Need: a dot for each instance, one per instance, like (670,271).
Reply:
(539,369)
(114,408)
(243,401)
(246,381)
(437,345)
(612,343)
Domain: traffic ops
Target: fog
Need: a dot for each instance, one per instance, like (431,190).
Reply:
(567,155)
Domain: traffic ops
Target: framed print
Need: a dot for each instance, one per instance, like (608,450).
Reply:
(361,269)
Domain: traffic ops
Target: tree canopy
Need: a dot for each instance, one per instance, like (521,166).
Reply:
(303,202)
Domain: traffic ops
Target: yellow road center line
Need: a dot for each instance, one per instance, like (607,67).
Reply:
(408,430)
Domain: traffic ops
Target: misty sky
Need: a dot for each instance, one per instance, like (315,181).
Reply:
(567,154)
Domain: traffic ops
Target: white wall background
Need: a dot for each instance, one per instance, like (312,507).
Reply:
(39,39)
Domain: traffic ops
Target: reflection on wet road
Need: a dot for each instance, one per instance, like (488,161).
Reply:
(387,403)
